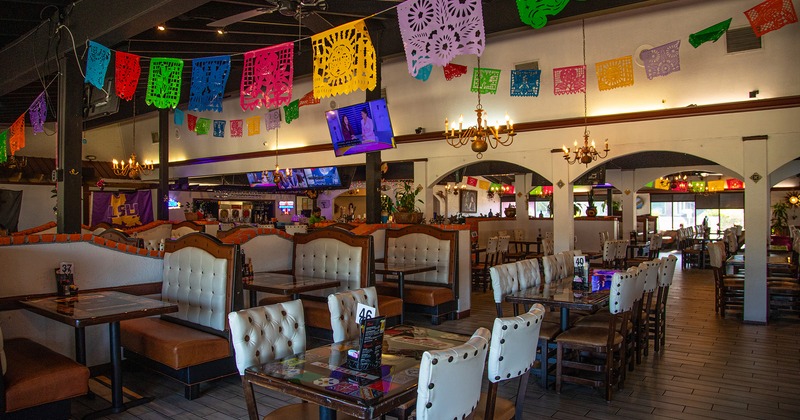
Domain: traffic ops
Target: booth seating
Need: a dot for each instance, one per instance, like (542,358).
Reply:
(185,228)
(336,254)
(119,236)
(201,275)
(434,293)
(222,234)
(38,382)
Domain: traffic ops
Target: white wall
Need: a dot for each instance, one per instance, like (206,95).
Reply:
(37,206)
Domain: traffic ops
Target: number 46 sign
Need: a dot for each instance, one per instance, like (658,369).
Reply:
(365,312)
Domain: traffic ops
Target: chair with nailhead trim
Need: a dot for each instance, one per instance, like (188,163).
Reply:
(265,333)
(595,350)
(342,307)
(449,385)
(512,354)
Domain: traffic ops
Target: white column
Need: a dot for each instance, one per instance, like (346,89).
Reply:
(628,203)
(421,178)
(522,186)
(563,200)
(757,223)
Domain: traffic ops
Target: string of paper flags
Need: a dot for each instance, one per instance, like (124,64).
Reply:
(433,32)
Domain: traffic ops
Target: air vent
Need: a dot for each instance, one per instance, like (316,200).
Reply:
(742,39)
(531,65)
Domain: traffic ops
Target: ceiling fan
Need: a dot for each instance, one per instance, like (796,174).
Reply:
(305,11)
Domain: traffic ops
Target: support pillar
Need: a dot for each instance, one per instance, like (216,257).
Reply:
(70,148)
(563,201)
(162,204)
(628,203)
(757,222)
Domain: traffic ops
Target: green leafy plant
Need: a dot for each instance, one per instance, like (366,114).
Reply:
(387,205)
(780,213)
(406,197)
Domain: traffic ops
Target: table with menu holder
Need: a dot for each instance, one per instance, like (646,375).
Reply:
(285,284)
(560,294)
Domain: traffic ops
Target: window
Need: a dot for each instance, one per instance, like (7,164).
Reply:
(722,210)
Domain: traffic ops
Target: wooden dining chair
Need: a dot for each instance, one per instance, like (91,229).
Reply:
(449,384)
(607,344)
(512,354)
(658,315)
(265,333)
(729,288)
(517,252)
(621,253)
(503,243)
(480,270)
(609,253)
(641,322)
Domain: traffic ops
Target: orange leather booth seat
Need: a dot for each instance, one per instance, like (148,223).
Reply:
(417,293)
(172,344)
(37,375)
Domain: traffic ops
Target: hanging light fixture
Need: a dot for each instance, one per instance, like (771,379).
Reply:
(132,169)
(454,188)
(587,153)
(279,176)
(481,136)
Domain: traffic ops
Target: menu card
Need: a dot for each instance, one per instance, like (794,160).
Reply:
(580,281)
(370,345)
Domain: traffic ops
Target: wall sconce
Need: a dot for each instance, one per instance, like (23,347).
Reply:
(454,188)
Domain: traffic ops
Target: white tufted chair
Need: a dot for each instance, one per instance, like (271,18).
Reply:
(550,267)
(609,341)
(449,383)
(562,264)
(547,246)
(512,354)
(658,313)
(505,280)
(263,334)
(621,253)
(342,307)
(528,273)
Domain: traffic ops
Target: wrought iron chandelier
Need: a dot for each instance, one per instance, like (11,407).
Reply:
(587,153)
(132,169)
(454,188)
(480,136)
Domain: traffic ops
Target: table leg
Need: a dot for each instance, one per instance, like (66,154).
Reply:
(326,413)
(253,298)
(80,345)
(400,287)
(564,319)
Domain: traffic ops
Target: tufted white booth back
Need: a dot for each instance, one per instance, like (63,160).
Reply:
(197,282)
(329,258)
(505,280)
(514,341)
(418,248)
(449,383)
(528,273)
(266,333)
(342,307)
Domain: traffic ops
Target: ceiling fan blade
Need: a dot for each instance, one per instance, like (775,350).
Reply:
(240,17)
(316,23)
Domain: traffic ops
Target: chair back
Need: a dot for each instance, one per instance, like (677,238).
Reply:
(514,342)
(528,273)
(505,280)
(266,333)
(652,269)
(550,267)
(343,305)
(716,254)
(491,245)
(609,251)
(621,249)
(519,234)
(623,291)
(561,263)
(449,385)
(502,233)
(502,244)
(667,271)
(547,246)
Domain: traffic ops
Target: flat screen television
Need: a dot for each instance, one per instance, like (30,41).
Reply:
(296,181)
(260,180)
(360,128)
(323,177)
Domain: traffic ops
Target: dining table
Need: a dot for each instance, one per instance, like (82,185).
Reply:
(527,244)
(560,294)
(96,308)
(321,375)
(285,284)
(401,270)
(782,263)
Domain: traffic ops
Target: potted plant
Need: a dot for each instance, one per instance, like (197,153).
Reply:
(406,203)
(591,210)
(780,224)
(387,207)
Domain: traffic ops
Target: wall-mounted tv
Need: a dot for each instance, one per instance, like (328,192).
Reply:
(360,128)
(260,180)
(323,177)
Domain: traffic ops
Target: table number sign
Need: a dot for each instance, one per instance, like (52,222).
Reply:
(365,312)
(65,281)
(580,281)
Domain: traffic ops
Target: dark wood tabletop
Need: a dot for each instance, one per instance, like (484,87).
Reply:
(321,375)
(97,308)
(287,284)
(773,261)
(397,269)
(560,294)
